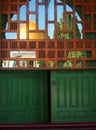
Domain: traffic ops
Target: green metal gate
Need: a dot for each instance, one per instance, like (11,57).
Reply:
(73,96)
(23,96)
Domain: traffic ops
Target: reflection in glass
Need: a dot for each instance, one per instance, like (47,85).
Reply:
(41,14)
(51,31)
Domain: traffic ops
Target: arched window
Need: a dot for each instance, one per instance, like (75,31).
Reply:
(47,34)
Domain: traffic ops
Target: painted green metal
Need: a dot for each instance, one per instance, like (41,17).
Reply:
(73,96)
(23,96)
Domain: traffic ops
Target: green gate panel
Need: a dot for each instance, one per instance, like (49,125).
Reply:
(23,97)
(73,96)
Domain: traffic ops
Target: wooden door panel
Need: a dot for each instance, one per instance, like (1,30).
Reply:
(73,96)
(23,97)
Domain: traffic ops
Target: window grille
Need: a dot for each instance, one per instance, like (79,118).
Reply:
(47,34)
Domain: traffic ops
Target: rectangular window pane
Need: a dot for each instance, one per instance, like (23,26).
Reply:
(23,12)
(51,10)
(41,18)
(51,31)
(32,5)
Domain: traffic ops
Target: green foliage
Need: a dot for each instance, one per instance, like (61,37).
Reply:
(41,63)
(79,10)
(74,54)
(69,24)
(87,17)
(4,19)
(90,35)
(68,35)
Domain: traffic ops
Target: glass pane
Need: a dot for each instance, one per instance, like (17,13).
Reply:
(41,64)
(68,64)
(11,35)
(23,31)
(78,13)
(32,17)
(60,11)
(51,10)
(32,5)
(4,20)
(51,64)
(61,63)
(23,63)
(23,54)
(37,35)
(67,35)
(32,22)
(32,25)
(14,17)
(76,54)
(69,3)
(41,0)
(59,1)
(69,21)
(9,64)
(90,63)
(41,18)
(79,31)
(88,17)
(51,31)
(79,63)
(90,35)
(68,8)
(89,54)
(23,12)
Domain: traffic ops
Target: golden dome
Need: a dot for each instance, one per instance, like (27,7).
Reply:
(32,35)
